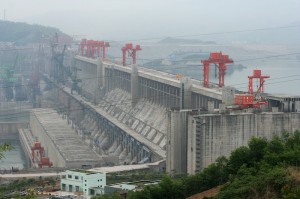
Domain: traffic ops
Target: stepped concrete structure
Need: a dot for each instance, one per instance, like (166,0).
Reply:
(134,115)
(61,143)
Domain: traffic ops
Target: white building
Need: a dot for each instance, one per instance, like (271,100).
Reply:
(82,181)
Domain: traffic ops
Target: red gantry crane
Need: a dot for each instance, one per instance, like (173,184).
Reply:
(220,61)
(102,45)
(257,75)
(82,47)
(250,99)
(131,52)
(44,161)
(92,48)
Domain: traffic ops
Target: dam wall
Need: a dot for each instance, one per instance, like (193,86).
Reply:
(9,130)
(213,135)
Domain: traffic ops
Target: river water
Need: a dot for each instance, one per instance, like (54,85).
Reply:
(280,62)
(14,158)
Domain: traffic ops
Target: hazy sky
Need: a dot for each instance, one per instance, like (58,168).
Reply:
(135,19)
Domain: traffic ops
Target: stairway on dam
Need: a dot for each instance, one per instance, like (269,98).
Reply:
(146,118)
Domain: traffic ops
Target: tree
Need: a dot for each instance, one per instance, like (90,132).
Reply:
(4,147)
(238,157)
(257,148)
(108,196)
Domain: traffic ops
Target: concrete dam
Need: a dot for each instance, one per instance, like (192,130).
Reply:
(135,115)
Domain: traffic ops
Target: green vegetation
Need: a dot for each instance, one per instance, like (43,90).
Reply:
(263,169)
(15,188)
(28,188)
(4,147)
(22,33)
(83,171)
(114,178)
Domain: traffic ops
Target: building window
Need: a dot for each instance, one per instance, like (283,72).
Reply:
(76,178)
(77,188)
(69,176)
(84,184)
(92,192)
(63,187)
(70,188)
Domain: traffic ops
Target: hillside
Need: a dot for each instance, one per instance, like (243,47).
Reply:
(23,33)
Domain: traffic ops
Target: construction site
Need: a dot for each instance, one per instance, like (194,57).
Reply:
(86,111)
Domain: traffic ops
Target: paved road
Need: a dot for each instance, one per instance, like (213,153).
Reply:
(31,175)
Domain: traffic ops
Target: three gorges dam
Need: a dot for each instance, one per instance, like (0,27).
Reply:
(90,112)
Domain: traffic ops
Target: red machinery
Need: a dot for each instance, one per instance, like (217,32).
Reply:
(102,45)
(89,48)
(252,100)
(257,75)
(91,45)
(44,161)
(131,52)
(220,61)
(82,47)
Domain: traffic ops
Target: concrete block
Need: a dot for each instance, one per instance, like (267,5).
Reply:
(228,95)
(120,118)
(130,121)
(126,118)
(145,130)
(157,138)
(140,127)
(151,134)
(210,106)
(135,123)
(162,144)
(297,106)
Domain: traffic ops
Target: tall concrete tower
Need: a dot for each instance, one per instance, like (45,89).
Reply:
(176,142)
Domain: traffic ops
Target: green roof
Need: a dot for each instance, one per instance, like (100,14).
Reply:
(83,171)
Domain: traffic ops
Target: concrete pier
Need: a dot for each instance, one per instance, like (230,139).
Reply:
(62,145)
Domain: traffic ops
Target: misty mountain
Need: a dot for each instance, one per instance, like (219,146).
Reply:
(23,33)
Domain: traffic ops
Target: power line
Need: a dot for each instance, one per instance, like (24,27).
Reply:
(267,57)
(211,33)
(16,49)
(275,82)
(272,79)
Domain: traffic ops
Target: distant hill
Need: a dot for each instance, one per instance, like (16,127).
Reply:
(172,40)
(23,33)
